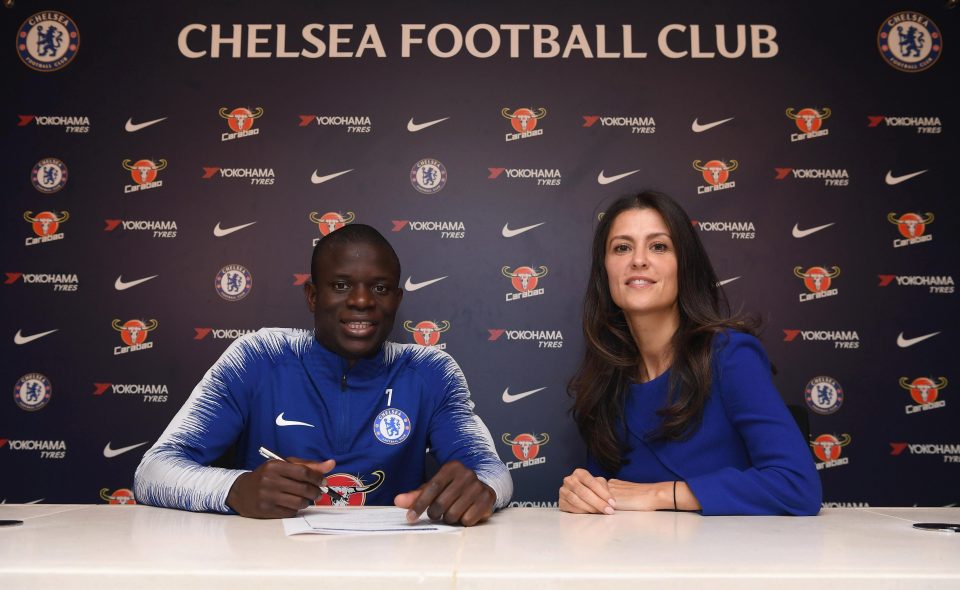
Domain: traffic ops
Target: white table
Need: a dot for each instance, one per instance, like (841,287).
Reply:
(132,547)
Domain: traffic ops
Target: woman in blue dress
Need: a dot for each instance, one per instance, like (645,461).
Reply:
(674,396)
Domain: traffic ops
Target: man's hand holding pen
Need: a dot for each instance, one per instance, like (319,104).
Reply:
(279,488)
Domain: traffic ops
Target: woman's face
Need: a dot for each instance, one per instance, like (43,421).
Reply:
(641,263)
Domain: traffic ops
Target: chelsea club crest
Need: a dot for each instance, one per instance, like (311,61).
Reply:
(391,426)
(32,392)
(233,282)
(428,176)
(823,395)
(909,41)
(48,41)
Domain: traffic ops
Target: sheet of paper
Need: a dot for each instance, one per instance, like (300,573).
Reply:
(360,521)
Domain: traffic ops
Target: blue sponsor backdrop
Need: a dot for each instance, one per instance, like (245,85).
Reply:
(805,155)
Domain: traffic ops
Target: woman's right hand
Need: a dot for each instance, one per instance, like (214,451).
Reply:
(583,493)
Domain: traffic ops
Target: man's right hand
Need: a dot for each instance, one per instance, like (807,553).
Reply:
(278,489)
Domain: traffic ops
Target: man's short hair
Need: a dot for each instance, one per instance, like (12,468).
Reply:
(351,234)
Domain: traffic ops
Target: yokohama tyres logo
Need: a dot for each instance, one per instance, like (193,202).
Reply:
(70,124)
(351,123)
(923,125)
(148,392)
(949,451)
(221,333)
(737,230)
(256,176)
(543,338)
(843,339)
(48,449)
(940,284)
(159,228)
(62,282)
(445,229)
(542,176)
(830,176)
(637,124)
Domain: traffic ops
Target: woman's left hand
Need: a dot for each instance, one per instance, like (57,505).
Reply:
(652,496)
(641,496)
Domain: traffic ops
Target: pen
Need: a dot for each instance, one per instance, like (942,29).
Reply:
(268,454)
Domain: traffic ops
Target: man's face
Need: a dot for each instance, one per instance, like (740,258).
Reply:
(355,299)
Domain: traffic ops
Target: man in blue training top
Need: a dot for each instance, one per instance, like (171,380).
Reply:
(363,411)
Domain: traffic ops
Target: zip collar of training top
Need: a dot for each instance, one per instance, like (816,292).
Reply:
(324,364)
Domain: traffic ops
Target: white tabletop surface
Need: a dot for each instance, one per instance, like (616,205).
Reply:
(133,547)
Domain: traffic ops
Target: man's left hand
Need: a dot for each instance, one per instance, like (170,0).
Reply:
(454,494)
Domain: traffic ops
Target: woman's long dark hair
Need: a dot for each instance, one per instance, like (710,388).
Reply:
(611,360)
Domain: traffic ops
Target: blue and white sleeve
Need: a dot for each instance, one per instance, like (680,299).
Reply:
(175,472)
(456,432)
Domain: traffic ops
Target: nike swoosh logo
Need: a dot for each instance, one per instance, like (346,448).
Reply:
(892,180)
(226,231)
(111,453)
(18,338)
(132,127)
(282,422)
(120,285)
(414,127)
(317,179)
(411,286)
(724,282)
(698,128)
(608,179)
(905,342)
(509,233)
(510,398)
(802,233)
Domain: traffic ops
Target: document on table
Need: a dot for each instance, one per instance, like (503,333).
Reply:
(360,521)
